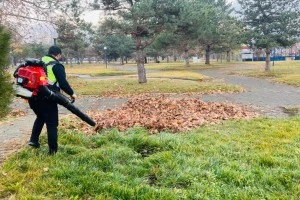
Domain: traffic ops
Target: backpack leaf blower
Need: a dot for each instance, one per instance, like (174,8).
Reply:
(32,82)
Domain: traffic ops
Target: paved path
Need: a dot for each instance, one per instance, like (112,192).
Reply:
(267,96)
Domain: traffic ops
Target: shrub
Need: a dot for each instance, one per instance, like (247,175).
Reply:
(5,87)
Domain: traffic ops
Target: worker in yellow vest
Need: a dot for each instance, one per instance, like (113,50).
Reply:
(45,109)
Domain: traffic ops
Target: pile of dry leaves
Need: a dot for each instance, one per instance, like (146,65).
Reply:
(163,113)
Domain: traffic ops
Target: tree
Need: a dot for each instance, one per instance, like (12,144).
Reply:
(39,50)
(73,38)
(18,15)
(202,22)
(271,23)
(5,86)
(189,21)
(161,46)
(215,15)
(231,35)
(143,20)
(118,46)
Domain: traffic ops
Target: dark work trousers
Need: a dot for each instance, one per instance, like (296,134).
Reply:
(46,113)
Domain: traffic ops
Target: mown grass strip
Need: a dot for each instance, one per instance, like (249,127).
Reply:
(257,159)
(95,70)
(179,66)
(287,72)
(184,75)
(130,86)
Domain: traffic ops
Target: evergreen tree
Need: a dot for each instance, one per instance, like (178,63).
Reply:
(143,20)
(271,23)
(211,32)
(5,86)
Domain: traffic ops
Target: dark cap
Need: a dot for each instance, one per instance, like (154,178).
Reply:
(54,50)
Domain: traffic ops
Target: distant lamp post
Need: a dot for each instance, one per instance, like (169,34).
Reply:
(273,53)
(105,57)
(54,35)
(221,54)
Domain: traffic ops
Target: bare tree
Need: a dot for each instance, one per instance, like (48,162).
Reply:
(21,15)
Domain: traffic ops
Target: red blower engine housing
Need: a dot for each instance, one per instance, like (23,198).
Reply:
(32,77)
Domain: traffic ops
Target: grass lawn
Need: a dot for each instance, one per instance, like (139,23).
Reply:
(95,70)
(162,80)
(193,66)
(257,159)
(184,75)
(287,72)
(130,86)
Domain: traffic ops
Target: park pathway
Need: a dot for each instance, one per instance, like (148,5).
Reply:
(269,97)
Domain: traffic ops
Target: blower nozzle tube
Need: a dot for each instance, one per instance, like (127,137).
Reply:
(65,102)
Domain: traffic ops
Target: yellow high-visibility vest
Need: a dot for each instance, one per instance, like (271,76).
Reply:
(50,75)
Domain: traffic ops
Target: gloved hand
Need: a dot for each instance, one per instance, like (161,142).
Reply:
(73,97)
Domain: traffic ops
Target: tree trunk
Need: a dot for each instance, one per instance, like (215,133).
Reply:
(146,61)
(207,55)
(155,59)
(140,66)
(168,59)
(67,56)
(228,56)
(15,61)
(174,56)
(186,58)
(122,60)
(11,60)
(268,59)
(221,57)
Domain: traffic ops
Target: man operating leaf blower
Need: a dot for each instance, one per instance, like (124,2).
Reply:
(40,82)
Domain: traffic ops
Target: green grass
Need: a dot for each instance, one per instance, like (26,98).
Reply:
(287,72)
(183,75)
(130,86)
(96,70)
(257,159)
(160,81)
(193,66)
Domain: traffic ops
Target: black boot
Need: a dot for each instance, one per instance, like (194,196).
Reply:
(52,151)
(34,144)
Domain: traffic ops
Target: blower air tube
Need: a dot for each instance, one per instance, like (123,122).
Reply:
(65,102)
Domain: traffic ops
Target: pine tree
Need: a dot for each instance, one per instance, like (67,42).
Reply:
(5,86)
(143,20)
(271,23)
